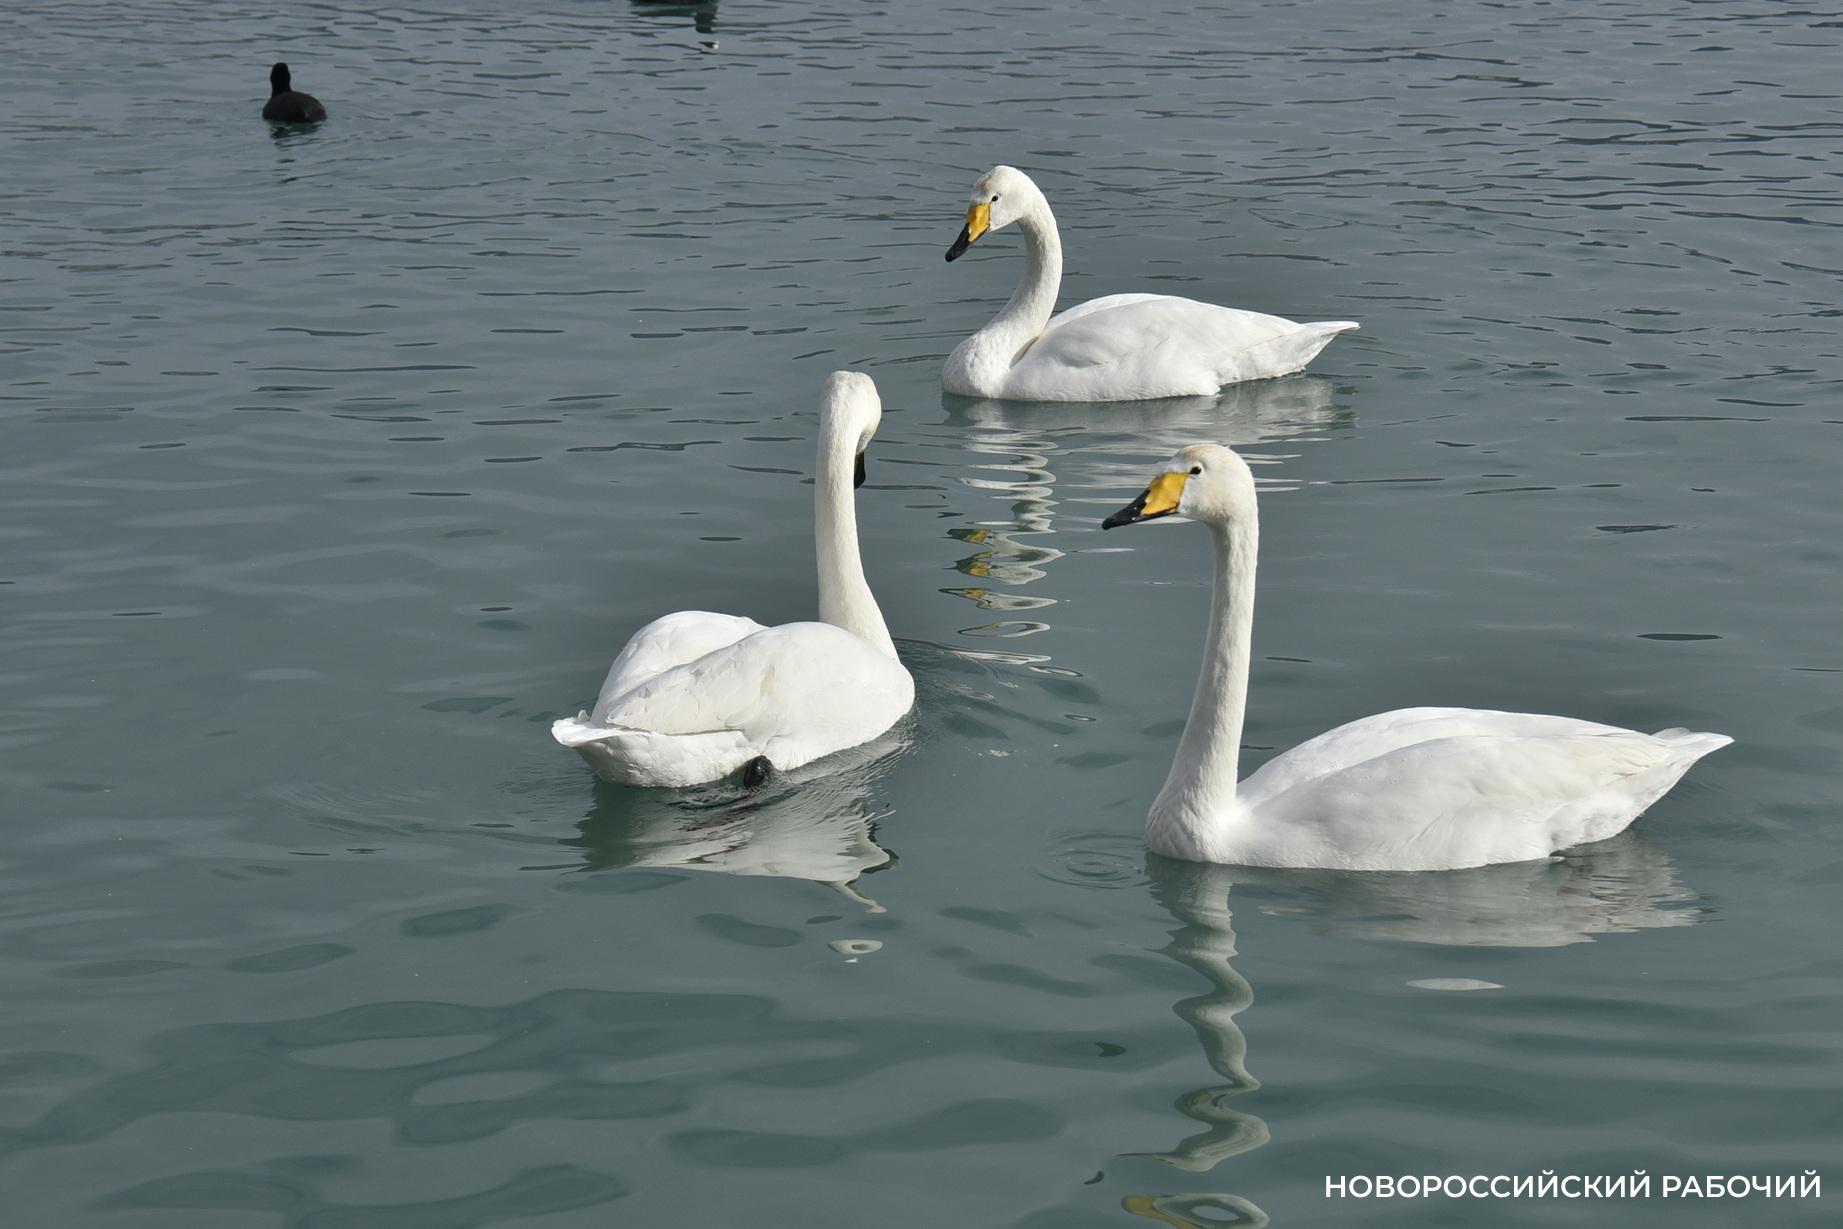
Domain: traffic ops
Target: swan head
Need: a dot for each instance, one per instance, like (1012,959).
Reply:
(1204,482)
(849,408)
(1000,197)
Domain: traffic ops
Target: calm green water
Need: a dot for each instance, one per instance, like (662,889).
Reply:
(337,463)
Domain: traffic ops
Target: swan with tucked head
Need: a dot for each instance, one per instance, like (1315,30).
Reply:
(1409,790)
(1123,347)
(696,696)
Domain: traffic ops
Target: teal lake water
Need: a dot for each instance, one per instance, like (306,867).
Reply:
(339,462)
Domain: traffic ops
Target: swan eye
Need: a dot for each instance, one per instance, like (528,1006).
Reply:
(1195,470)
(995,198)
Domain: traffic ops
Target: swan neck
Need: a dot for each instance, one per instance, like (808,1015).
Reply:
(1034,300)
(1201,786)
(844,595)
(981,365)
(1023,316)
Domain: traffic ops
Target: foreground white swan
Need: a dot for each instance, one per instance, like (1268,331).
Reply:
(1124,347)
(1416,789)
(696,696)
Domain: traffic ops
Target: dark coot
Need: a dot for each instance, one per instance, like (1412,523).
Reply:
(288,106)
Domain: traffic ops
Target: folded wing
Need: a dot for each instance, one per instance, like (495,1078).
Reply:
(669,641)
(795,692)
(1122,327)
(1429,789)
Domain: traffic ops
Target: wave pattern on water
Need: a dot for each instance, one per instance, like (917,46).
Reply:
(340,461)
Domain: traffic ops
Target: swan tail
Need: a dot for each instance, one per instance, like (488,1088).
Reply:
(1682,749)
(643,757)
(1691,745)
(1284,355)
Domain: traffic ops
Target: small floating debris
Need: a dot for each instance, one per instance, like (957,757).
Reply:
(856,947)
(1454,983)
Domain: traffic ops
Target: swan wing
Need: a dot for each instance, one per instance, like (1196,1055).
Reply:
(793,692)
(1123,327)
(1098,305)
(1439,789)
(668,641)
(1370,738)
(1136,347)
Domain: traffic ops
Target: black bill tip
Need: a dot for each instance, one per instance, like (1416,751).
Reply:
(857,472)
(960,245)
(1132,514)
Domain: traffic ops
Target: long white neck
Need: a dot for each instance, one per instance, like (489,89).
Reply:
(844,595)
(988,354)
(1199,793)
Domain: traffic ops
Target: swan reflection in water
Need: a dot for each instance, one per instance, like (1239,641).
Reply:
(816,823)
(1616,886)
(1041,458)
(703,13)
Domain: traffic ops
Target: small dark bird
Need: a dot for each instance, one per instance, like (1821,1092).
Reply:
(286,106)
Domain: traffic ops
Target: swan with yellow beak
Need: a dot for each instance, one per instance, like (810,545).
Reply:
(1123,347)
(1416,789)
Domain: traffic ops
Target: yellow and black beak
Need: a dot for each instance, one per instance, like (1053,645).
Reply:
(857,472)
(978,222)
(1159,499)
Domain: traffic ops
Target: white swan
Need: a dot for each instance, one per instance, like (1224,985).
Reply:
(1415,789)
(1123,347)
(696,696)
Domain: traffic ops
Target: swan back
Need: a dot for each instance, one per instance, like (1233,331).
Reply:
(668,641)
(1441,789)
(791,693)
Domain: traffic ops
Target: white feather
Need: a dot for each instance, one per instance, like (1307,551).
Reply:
(668,641)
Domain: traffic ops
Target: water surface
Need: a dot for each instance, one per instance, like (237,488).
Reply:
(339,462)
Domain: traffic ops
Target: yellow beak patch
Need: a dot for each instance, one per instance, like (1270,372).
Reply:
(978,220)
(1159,499)
(1164,494)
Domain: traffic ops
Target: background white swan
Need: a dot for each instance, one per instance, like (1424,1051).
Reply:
(696,696)
(1414,789)
(1123,347)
